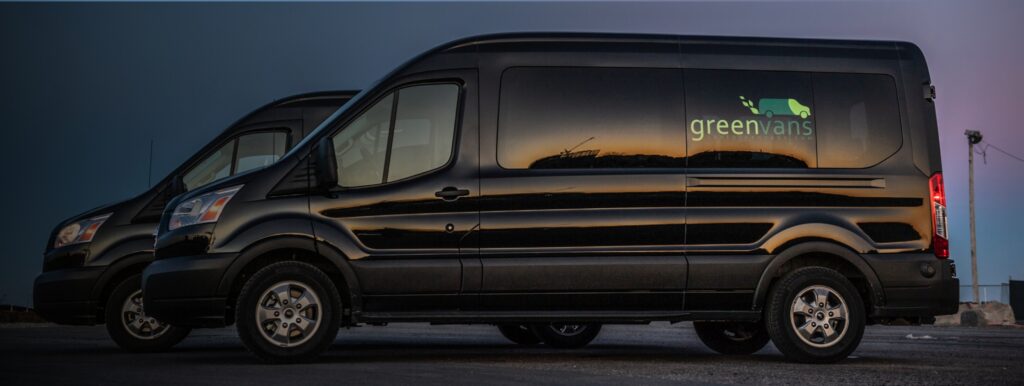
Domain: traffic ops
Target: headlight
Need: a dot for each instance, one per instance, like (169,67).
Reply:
(203,209)
(78,232)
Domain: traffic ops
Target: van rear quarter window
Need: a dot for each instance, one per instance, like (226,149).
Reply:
(571,118)
(790,119)
(858,115)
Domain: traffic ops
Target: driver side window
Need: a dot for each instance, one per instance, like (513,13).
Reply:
(247,152)
(362,146)
(375,148)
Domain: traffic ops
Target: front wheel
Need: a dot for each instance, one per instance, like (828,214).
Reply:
(732,338)
(815,315)
(130,327)
(288,312)
(566,335)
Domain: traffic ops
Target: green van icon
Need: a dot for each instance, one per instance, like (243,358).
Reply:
(770,107)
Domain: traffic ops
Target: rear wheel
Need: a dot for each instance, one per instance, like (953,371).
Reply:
(519,334)
(732,338)
(130,327)
(815,315)
(288,312)
(566,335)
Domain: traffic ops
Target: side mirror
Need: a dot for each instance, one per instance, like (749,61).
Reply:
(325,164)
(177,185)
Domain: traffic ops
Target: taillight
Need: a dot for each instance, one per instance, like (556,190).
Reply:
(940,236)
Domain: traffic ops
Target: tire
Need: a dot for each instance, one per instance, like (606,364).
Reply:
(519,334)
(842,316)
(129,326)
(732,338)
(286,293)
(566,335)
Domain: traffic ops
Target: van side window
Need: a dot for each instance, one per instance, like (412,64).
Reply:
(260,150)
(858,117)
(750,119)
(361,147)
(424,130)
(422,136)
(254,150)
(588,117)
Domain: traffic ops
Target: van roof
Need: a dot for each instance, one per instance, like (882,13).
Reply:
(541,38)
(312,99)
(684,44)
(318,98)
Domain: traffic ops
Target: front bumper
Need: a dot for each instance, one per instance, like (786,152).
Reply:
(183,291)
(64,296)
(915,285)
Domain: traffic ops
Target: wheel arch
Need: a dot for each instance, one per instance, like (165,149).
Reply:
(823,253)
(121,269)
(288,248)
(821,231)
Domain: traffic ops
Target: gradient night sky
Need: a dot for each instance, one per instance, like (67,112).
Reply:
(84,88)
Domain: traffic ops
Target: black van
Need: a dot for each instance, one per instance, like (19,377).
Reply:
(550,183)
(93,261)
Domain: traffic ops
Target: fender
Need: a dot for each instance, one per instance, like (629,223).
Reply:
(130,246)
(287,241)
(125,255)
(831,248)
(259,248)
(257,230)
(338,258)
(340,246)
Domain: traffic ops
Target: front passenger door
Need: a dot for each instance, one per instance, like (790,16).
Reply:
(407,178)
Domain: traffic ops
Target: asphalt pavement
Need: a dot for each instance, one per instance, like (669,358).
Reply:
(420,354)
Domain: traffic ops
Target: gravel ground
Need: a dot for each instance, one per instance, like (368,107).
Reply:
(422,354)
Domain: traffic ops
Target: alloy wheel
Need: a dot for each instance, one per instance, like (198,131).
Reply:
(819,316)
(136,322)
(288,313)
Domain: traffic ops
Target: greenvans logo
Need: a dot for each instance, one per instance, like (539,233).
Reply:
(777,117)
(771,107)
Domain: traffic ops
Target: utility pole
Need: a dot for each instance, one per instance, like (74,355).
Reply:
(973,137)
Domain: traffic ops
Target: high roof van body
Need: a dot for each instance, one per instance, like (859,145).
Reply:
(552,183)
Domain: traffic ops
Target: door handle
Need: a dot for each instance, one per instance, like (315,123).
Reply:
(451,193)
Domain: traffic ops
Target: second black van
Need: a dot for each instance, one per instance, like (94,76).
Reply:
(93,261)
(765,189)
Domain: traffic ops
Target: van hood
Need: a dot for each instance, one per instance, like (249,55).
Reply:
(102,209)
